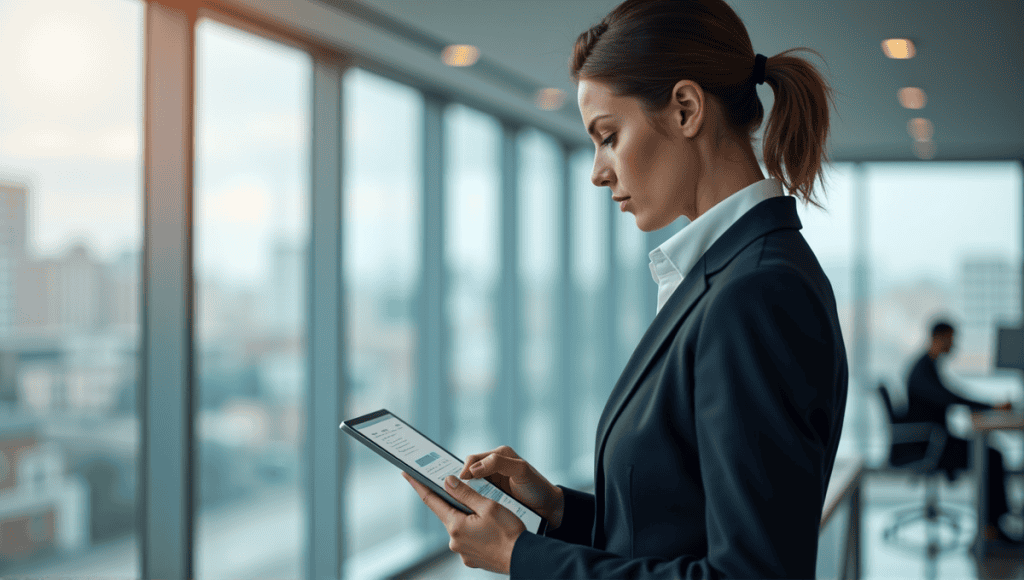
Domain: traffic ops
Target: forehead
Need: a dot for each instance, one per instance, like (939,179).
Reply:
(595,98)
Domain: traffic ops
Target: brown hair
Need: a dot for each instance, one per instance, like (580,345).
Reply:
(644,47)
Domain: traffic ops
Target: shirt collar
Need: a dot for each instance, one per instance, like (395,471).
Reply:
(674,258)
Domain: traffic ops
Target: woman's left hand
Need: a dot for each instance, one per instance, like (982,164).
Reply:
(484,538)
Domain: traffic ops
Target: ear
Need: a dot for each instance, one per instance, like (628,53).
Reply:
(688,108)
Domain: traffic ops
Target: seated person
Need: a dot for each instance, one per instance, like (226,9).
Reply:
(927,401)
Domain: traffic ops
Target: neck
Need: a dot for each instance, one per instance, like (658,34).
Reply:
(933,353)
(735,167)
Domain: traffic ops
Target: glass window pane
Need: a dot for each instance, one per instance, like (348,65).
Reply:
(251,245)
(945,241)
(540,216)
(473,186)
(595,376)
(382,213)
(70,258)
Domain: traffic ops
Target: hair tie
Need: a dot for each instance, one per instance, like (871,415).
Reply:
(759,62)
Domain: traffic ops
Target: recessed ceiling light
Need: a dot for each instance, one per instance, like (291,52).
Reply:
(460,54)
(924,149)
(920,129)
(550,99)
(912,98)
(898,48)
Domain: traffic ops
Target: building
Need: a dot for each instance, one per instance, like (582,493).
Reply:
(13,234)
(990,288)
(60,295)
(13,216)
(990,291)
(121,292)
(41,509)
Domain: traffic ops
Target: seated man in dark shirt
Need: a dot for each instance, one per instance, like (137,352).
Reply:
(927,401)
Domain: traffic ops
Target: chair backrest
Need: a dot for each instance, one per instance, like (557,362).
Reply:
(883,392)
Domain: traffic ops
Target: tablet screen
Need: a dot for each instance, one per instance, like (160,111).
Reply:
(407,444)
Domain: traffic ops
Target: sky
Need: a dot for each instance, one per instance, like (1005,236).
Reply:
(70,127)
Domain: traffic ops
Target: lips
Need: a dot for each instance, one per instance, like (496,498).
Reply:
(619,198)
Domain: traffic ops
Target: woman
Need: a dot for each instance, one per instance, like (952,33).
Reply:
(716,445)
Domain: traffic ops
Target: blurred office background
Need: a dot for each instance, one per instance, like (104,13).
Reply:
(227,225)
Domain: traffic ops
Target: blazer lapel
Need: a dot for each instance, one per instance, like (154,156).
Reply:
(769,215)
(650,346)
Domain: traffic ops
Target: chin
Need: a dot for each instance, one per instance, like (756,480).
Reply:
(647,224)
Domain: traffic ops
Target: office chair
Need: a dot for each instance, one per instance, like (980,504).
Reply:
(926,466)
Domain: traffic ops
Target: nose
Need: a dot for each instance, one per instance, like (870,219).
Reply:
(601,176)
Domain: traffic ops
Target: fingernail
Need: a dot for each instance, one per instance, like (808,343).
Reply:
(476,466)
(451,482)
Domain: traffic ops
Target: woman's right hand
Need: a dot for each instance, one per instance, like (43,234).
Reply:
(513,475)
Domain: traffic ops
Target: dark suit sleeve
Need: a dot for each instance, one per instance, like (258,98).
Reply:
(765,358)
(577,518)
(765,403)
(927,386)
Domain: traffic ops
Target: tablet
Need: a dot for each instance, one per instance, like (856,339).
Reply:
(429,463)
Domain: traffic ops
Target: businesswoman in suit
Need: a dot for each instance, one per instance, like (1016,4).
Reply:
(716,445)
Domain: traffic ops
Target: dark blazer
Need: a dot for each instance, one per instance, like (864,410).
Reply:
(928,398)
(716,445)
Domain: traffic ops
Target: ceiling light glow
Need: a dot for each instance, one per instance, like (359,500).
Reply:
(550,99)
(460,55)
(924,149)
(920,129)
(898,48)
(912,98)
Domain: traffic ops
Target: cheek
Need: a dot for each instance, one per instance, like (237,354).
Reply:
(654,166)
(640,158)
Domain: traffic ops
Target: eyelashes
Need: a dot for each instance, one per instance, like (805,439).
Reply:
(608,140)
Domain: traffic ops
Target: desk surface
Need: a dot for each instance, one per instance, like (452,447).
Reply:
(997,420)
(846,474)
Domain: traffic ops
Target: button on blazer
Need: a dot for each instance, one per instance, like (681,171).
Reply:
(715,447)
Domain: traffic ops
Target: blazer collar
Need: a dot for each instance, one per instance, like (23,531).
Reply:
(770,215)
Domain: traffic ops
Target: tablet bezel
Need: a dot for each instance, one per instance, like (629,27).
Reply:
(349,426)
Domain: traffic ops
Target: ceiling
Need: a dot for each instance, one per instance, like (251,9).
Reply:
(970,60)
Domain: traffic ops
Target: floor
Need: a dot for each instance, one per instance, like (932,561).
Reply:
(906,558)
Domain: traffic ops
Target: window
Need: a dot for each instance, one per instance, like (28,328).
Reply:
(539,205)
(472,254)
(251,246)
(382,213)
(70,247)
(592,338)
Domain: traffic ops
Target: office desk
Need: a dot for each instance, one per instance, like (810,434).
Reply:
(983,423)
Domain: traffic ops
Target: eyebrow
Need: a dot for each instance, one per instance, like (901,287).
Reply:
(590,127)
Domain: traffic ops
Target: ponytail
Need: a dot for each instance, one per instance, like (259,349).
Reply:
(797,130)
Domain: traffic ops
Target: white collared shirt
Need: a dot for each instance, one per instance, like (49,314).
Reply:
(672,260)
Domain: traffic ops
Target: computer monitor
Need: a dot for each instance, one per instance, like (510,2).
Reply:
(1010,348)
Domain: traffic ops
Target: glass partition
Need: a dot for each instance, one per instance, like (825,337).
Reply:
(945,242)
